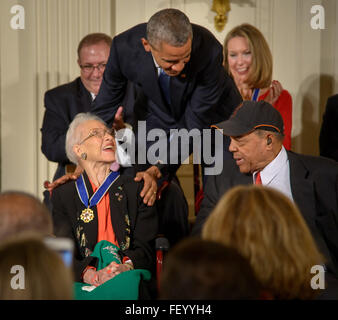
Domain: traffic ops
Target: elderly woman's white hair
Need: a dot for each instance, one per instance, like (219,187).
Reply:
(73,136)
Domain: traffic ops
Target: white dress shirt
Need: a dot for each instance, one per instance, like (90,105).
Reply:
(277,174)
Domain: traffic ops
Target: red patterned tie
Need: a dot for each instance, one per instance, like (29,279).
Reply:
(258,179)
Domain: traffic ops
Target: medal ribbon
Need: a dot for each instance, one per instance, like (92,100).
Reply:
(255,95)
(100,192)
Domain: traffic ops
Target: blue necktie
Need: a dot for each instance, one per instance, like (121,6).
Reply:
(164,81)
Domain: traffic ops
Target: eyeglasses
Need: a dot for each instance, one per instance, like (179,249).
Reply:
(89,68)
(98,132)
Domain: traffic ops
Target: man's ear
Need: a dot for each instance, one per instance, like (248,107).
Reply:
(269,140)
(146,44)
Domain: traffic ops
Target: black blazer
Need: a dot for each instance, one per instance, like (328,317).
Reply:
(62,104)
(125,205)
(328,139)
(314,187)
(203,94)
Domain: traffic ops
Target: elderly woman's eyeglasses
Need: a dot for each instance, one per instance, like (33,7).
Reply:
(89,68)
(98,132)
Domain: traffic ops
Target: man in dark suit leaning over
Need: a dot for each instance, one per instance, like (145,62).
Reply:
(256,133)
(178,80)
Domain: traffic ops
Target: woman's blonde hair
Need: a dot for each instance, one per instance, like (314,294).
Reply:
(261,68)
(44,275)
(267,228)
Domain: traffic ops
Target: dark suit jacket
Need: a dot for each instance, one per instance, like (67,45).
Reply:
(125,204)
(314,186)
(203,94)
(62,104)
(328,139)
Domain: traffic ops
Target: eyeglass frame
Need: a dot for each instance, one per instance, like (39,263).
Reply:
(111,132)
(91,67)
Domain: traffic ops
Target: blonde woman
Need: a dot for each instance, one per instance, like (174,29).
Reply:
(267,228)
(248,59)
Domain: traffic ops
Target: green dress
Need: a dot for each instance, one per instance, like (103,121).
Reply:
(124,286)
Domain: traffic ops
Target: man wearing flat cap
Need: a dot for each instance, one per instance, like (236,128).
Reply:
(256,131)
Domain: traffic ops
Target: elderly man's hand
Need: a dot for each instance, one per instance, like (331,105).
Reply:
(69,176)
(150,176)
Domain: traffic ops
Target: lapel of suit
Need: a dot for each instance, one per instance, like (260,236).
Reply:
(119,213)
(302,188)
(304,196)
(178,86)
(84,97)
(149,82)
(244,179)
(148,79)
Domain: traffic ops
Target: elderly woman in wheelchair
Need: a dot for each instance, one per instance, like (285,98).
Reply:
(102,211)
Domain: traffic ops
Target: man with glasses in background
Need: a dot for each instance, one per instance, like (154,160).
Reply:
(64,102)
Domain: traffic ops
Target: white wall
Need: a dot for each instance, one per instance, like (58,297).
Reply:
(33,60)
(43,55)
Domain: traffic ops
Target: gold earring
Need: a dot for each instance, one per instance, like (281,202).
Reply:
(84,156)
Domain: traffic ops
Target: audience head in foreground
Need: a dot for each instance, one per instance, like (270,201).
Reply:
(21,211)
(268,229)
(200,269)
(31,271)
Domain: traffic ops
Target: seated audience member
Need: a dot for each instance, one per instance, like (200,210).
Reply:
(267,228)
(102,206)
(198,269)
(31,271)
(256,132)
(248,60)
(328,139)
(20,211)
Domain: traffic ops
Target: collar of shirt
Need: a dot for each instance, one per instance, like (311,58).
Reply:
(93,96)
(277,174)
(157,66)
(274,167)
